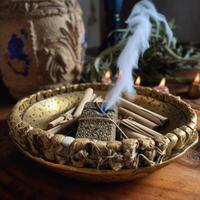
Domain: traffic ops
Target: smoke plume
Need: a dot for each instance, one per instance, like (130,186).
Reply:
(140,22)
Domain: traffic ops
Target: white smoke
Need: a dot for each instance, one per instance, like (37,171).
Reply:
(139,22)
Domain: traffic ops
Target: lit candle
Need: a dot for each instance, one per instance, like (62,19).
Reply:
(162,86)
(194,90)
(138,81)
(107,77)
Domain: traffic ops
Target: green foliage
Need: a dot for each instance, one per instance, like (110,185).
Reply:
(159,60)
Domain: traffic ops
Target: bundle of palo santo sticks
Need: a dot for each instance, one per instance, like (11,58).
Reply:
(134,121)
(141,115)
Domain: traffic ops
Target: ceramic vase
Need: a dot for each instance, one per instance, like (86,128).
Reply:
(41,43)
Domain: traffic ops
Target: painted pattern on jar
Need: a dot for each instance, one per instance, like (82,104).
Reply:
(41,43)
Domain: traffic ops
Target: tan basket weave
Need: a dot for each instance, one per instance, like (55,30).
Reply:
(31,115)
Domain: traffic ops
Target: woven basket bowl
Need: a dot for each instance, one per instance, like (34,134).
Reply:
(31,115)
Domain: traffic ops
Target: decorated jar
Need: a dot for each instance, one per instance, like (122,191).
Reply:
(41,43)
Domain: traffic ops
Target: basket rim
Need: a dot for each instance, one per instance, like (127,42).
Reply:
(92,173)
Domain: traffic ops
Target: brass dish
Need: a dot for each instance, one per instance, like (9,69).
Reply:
(32,114)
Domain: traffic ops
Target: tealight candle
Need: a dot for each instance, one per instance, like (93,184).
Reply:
(162,86)
(138,81)
(107,78)
(194,90)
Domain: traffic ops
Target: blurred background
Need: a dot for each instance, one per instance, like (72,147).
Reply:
(185,13)
(180,64)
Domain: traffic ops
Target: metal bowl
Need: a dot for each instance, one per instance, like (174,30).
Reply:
(31,115)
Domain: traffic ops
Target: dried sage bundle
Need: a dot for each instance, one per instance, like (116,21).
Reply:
(95,124)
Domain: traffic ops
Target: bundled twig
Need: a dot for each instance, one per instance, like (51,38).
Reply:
(66,116)
(147,114)
(138,118)
(68,121)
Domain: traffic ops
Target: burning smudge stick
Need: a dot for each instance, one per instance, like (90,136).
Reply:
(95,124)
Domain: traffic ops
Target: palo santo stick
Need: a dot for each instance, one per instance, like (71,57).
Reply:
(132,134)
(66,124)
(87,98)
(152,116)
(138,118)
(57,121)
(140,128)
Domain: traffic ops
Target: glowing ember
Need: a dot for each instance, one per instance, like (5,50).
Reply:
(162,82)
(138,81)
(197,79)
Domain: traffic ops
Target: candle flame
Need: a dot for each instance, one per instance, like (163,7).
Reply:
(197,78)
(162,82)
(107,75)
(138,81)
